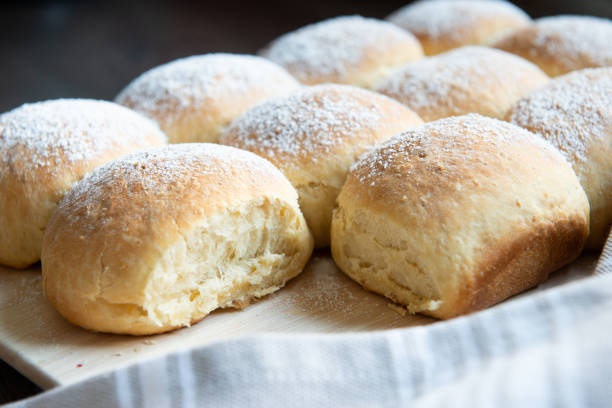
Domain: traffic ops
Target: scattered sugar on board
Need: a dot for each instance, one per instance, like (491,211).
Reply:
(459,137)
(47,134)
(21,292)
(449,17)
(165,91)
(334,47)
(321,289)
(576,38)
(440,80)
(571,112)
(314,119)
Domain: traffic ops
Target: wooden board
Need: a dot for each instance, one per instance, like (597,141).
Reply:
(39,343)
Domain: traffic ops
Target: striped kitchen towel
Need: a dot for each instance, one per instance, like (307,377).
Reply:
(551,348)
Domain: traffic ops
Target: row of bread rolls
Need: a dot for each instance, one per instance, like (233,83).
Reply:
(361,51)
(446,218)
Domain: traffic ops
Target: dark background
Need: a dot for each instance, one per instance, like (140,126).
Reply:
(92,49)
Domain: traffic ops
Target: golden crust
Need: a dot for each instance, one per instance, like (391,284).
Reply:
(574,113)
(348,50)
(442,25)
(466,80)
(194,98)
(457,215)
(45,148)
(523,262)
(158,239)
(314,135)
(562,44)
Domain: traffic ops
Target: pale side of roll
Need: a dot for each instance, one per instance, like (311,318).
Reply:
(466,80)
(561,44)
(194,98)
(458,214)
(349,50)
(158,239)
(574,113)
(314,135)
(441,25)
(45,147)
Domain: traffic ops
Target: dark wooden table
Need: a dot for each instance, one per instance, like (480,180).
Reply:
(92,49)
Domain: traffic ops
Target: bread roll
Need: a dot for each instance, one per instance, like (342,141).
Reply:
(158,239)
(562,44)
(574,113)
(441,25)
(458,214)
(349,50)
(314,135)
(193,98)
(466,80)
(44,148)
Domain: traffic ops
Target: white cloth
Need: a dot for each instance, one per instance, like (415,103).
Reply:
(549,349)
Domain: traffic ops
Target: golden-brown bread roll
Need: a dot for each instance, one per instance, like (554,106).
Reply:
(44,148)
(574,113)
(561,44)
(441,25)
(314,135)
(466,80)
(193,98)
(349,50)
(158,239)
(458,214)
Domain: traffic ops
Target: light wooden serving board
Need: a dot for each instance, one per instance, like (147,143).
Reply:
(39,343)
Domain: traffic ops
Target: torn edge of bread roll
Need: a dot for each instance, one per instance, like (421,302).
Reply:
(158,239)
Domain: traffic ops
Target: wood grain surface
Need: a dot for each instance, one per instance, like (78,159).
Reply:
(37,341)
(51,352)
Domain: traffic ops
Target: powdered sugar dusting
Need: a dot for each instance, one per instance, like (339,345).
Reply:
(573,112)
(166,167)
(451,18)
(452,82)
(51,133)
(334,48)
(580,41)
(320,288)
(460,137)
(314,119)
(165,91)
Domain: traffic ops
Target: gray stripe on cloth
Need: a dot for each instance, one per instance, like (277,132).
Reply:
(549,349)
(187,379)
(123,389)
(135,386)
(152,377)
(604,266)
